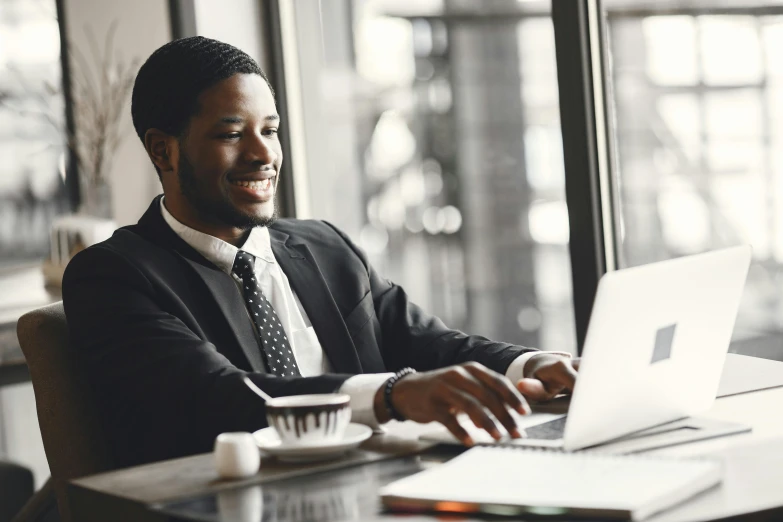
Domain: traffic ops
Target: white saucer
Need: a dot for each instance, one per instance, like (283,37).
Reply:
(268,440)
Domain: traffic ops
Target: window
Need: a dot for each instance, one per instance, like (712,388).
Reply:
(432,137)
(697,90)
(32,145)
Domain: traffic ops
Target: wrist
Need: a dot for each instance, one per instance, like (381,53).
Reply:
(384,406)
(382,414)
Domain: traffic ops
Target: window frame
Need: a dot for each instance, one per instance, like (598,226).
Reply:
(588,150)
(72,184)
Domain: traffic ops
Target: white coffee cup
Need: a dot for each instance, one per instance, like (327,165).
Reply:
(236,455)
(308,420)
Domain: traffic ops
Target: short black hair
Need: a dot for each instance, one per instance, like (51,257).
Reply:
(167,87)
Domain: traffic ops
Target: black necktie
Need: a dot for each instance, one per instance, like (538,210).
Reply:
(277,350)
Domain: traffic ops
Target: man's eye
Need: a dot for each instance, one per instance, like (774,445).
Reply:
(230,136)
(270,132)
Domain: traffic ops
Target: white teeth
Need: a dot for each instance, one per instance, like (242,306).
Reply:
(255,185)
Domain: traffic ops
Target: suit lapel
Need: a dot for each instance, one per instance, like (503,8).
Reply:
(230,302)
(306,280)
(220,285)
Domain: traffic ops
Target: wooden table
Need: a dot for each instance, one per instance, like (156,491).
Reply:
(189,489)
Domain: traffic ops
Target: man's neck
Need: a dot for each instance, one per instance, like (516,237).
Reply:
(231,235)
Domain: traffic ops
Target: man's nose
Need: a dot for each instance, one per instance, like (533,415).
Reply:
(259,150)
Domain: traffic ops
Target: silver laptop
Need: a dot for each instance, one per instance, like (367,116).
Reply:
(654,351)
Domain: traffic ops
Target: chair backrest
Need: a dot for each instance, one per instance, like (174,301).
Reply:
(73,439)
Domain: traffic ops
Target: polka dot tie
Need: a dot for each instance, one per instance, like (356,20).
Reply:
(277,350)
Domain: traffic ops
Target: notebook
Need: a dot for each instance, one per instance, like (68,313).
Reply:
(526,481)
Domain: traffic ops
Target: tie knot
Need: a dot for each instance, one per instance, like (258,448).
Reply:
(243,264)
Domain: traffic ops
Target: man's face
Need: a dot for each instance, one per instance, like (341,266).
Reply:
(229,159)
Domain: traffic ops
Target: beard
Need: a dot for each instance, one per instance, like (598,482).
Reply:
(220,209)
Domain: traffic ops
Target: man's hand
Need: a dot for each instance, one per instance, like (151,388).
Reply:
(440,395)
(547,376)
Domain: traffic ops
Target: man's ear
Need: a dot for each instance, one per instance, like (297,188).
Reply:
(163,149)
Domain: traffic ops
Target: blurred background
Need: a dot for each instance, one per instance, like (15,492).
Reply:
(431,132)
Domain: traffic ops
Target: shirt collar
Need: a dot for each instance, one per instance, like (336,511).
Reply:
(217,251)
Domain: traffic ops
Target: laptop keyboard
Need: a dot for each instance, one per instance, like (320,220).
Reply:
(551,430)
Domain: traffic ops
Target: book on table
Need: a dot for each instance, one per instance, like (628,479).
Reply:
(522,481)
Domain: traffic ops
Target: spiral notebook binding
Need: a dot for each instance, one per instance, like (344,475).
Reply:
(587,453)
(506,445)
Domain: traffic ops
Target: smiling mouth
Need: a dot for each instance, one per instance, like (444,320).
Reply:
(260,185)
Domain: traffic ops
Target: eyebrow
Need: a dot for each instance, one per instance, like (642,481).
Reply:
(229,120)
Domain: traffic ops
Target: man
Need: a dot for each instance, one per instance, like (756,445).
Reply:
(170,314)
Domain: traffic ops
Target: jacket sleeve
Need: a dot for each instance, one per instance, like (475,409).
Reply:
(160,389)
(412,337)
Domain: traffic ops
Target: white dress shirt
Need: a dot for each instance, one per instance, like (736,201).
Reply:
(304,342)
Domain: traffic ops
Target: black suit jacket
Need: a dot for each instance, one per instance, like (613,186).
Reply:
(164,336)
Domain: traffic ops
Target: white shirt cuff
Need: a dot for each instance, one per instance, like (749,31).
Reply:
(516,370)
(362,390)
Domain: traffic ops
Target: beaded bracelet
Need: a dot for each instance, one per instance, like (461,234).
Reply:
(388,389)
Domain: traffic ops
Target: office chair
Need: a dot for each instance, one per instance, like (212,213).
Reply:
(42,507)
(16,487)
(74,443)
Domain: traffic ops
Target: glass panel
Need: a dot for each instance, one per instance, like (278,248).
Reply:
(433,139)
(32,144)
(699,126)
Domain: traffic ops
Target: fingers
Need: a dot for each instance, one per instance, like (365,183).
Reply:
(490,391)
(483,395)
(563,375)
(495,392)
(452,424)
(500,385)
(462,401)
(557,377)
(550,380)
(534,390)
